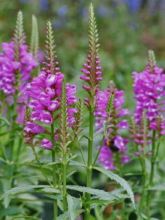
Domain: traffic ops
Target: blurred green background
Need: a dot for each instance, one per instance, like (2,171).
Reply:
(127,29)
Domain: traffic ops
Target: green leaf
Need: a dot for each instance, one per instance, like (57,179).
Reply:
(22,189)
(63,216)
(10,211)
(110,196)
(76,163)
(122,182)
(159,187)
(98,214)
(74,206)
(5,121)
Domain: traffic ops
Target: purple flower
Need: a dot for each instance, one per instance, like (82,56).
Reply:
(71,100)
(102,100)
(11,70)
(45,92)
(111,120)
(33,128)
(10,67)
(46,144)
(106,157)
(113,152)
(149,90)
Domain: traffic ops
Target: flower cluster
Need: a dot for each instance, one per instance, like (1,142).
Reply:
(109,113)
(11,68)
(45,93)
(149,89)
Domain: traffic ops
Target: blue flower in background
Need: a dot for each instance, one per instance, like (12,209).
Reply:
(59,23)
(44,5)
(102,11)
(62,11)
(133,5)
(24,1)
(83,12)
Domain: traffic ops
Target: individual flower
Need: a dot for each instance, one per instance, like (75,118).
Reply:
(109,113)
(45,143)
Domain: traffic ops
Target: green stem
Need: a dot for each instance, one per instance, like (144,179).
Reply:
(89,163)
(144,186)
(64,181)
(152,159)
(40,164)
(97,155)
(55,205)
(16,164)
(152,172)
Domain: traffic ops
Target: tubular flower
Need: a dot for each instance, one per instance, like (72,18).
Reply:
(109,115)
(45,93)
(149,90)
(71,100)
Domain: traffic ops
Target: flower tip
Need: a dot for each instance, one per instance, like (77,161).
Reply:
(151,58)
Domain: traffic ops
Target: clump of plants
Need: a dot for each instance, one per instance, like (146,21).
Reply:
(88,157)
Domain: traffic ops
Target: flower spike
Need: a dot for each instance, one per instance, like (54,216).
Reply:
(51,57)
(50,101)
(34,38)
(19,36)
(149,94)
(110,114)
(92,71)
(63,119)
(151,60)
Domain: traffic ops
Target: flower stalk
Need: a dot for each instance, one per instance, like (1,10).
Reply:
(152,172)
(64,143)
(92,74)
(55,205)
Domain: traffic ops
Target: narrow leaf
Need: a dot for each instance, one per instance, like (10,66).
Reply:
(110,196)
(74,206)
(122,182)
